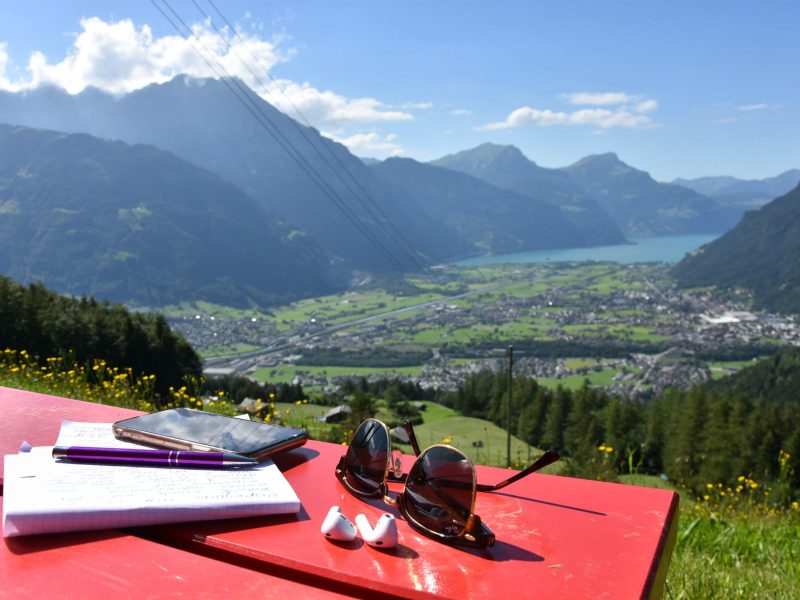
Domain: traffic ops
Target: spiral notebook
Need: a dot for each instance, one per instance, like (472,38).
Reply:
(42,495)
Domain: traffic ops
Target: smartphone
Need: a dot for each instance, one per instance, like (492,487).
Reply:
(189,429)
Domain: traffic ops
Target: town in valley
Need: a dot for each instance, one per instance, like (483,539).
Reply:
(626,328)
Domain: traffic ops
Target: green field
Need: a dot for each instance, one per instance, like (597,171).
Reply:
(340,308)
(286,373)
(723,369)
(222,350)
(465,432)
(601,378)
(442,425)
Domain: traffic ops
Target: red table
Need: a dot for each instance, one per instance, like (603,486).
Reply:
(110,564)
(557,537)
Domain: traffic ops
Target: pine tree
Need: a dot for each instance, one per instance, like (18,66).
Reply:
(556,422)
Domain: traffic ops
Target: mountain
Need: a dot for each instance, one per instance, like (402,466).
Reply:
(288,168)
(136,224)
(496,220)
(759,254)
(643,206)
(507,168)
(746,192)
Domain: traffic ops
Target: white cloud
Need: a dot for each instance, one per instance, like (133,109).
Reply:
(326,107)
(371,144)
(628,112)
(5,61)
(461,112)
(598,117)
(597,99)
(118,57)
(748,107)
(417,106)
(646,106)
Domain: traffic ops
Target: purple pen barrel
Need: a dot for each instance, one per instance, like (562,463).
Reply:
(147,457)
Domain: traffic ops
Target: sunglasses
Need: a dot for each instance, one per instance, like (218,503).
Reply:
(438,498)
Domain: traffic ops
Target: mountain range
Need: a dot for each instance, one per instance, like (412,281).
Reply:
(224,127)
(507,168)
(202,176)
(643,206)
(497,220)
(746,192)
(759,254)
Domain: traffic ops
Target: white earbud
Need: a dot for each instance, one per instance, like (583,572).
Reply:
(338,527)
(384,535)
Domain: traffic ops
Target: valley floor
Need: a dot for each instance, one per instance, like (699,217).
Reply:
(626,328)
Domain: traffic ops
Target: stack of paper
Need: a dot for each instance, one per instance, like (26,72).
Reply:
(42,495)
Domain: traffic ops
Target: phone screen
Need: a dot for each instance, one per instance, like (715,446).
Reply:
(189,429)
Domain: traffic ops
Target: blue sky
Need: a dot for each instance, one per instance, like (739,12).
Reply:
(678,89)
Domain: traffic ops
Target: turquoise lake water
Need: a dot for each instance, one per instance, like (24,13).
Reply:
(668,248)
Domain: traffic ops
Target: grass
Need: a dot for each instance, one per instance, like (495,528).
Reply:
(286,373)
(601,378)
(735,555)
(720,369)
(465,432)
(223,350)
(736,546)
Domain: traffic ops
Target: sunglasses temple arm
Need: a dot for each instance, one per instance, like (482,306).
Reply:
(411,437)
(545,459)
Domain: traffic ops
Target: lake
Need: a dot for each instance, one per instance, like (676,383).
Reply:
(667,248)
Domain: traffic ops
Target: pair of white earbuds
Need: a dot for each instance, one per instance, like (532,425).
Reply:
(338,527)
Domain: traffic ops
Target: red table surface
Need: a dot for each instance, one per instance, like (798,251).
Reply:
(557,537)
(110,564)
(36,418)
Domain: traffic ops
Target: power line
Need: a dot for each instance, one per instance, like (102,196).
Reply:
(244,96)
(392,230)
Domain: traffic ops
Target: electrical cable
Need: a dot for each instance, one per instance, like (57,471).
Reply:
(244,95)
(392,230)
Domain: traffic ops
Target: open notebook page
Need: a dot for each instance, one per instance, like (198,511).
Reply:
(42,495)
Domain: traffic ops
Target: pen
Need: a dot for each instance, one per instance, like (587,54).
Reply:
(151,458)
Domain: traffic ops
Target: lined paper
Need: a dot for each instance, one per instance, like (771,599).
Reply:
(42,495)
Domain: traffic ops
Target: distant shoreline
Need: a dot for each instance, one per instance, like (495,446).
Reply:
(666,248)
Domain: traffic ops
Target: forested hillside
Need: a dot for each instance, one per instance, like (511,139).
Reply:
(138,225)
(775,379)
(759,254)
(701,436)
(47,326)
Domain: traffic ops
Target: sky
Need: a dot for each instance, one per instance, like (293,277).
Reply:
(675,88)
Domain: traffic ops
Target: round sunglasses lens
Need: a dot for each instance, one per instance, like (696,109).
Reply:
(367,457)
(440,490)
